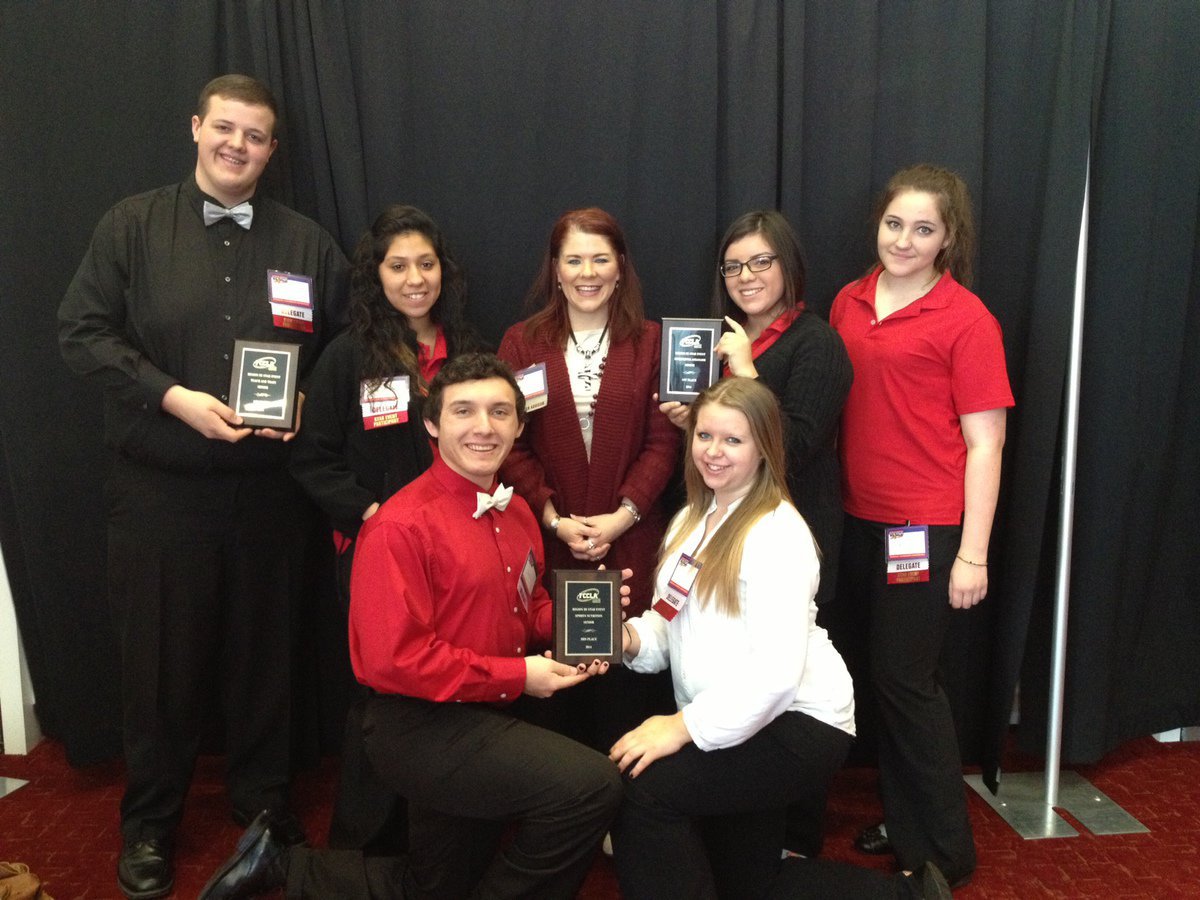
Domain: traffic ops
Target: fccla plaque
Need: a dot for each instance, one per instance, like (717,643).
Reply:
(689,358)
(262,385)
(587,616)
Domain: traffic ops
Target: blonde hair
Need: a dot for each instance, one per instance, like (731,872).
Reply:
(722,555)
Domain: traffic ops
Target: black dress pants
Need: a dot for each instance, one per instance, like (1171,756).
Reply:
(704,824)
(202,573)
(367,814)
(891,639)
(468,770)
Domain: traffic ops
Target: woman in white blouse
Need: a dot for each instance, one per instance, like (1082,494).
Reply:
(765,705)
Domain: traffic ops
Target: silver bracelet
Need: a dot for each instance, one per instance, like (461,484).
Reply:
(630,507)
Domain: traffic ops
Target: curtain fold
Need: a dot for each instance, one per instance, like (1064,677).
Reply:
(676,116)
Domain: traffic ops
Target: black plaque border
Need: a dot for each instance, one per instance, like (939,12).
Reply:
(290,353)
(561,578)
(664,373)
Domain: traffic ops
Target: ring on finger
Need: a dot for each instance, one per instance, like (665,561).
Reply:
(591,544)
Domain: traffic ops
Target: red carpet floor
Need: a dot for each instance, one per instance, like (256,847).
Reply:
(64,824)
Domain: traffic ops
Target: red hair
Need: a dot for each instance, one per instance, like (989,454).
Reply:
(625,311)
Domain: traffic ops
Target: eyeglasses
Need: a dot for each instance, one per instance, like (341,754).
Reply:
(757,264)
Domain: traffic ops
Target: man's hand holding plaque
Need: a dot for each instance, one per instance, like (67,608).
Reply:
(263,384)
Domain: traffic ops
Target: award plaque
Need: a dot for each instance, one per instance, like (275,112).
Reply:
(262,386)
(689,358)
(587,616)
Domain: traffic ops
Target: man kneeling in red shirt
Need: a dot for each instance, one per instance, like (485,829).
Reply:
(446,602)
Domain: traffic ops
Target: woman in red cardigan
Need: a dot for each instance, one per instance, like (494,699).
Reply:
(594,462)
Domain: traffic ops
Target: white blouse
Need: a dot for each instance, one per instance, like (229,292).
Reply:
(734,674)
(585,370)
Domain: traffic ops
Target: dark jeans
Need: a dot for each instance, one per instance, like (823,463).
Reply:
(703,824)
(468,770)
(891,639)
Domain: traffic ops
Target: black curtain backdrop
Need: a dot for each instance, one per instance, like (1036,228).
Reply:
(676,116)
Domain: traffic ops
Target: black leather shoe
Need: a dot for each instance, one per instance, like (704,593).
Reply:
(873,841)
(285,827)
(258,865)
(144,870)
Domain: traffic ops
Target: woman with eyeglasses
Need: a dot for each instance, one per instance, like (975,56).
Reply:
(921,444)
(362,437)
(594,462)
(758,289)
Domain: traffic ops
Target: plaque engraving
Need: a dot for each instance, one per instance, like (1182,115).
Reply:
(587,616)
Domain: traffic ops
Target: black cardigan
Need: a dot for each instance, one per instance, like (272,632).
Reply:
(343,467)
(808,369)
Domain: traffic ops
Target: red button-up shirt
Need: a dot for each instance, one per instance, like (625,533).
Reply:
(434,607)
(430,361)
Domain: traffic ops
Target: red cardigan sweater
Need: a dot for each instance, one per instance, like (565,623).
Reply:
(635,449)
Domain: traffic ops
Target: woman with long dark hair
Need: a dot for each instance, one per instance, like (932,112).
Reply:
(758,288)
(362,437)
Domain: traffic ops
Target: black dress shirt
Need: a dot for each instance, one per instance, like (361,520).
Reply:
(159,300)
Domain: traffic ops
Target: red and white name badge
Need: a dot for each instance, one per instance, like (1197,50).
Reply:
(906,550)
(291,299)
(384,404)
(532,382)
(679,587)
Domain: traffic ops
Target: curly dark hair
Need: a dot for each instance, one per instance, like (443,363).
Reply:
(389,343)
(471,367)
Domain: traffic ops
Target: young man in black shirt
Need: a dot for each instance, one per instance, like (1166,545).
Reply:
(205,527)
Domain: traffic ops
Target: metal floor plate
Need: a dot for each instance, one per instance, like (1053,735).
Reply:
(8,785)
(1021,803)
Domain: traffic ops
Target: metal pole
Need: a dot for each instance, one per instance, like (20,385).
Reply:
(1062,581)
(1026,800)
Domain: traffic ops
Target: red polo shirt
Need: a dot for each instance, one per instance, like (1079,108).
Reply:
(434,607)
(915,373)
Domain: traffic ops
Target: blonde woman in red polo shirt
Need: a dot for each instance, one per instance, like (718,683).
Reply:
(921,440)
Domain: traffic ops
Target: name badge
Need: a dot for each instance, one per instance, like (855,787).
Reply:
(532,382)
(679,587)
(907,554)
(291,299)
(528,580)
(384,404)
